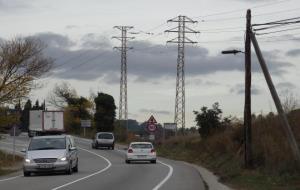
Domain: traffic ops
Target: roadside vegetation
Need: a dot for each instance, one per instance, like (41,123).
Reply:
(220,148)
(7,165)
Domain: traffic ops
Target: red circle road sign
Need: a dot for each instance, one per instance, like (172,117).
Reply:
(151,127)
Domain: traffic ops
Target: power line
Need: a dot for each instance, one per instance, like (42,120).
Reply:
(278,31)
(225,31)
(70,59)
(240,17)
(156,27)
(239,10)
(217,29)
(74,67)
(276,26)
(278,21)
(87,61)
(221,41)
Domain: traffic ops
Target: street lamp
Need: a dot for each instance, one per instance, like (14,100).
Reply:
(247,106)
(234,51)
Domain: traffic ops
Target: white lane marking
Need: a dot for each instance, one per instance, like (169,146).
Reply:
(96,173)
(11,178)
(85,141)
(170,173)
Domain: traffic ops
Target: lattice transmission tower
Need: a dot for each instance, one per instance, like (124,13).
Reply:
(181,40)
(123,109)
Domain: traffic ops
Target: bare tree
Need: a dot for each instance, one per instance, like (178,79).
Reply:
(290,101)
(61,95)
(21,63)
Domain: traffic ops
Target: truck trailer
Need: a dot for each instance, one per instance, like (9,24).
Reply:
(45,123)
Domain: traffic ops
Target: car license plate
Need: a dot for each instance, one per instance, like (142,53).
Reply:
(141,156)
(45,166)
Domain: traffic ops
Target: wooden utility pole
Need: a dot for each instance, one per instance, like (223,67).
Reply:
(247,108)
(283,119)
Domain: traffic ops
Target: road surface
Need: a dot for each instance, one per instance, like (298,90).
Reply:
(107,170)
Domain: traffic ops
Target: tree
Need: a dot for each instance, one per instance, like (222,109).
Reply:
(25,115)
(77,109)
(290,101)
(62,95)
(21,63)
(105,112)
(209,120)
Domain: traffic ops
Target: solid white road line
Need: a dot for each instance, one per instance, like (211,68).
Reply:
(11,178)
(170,173)
(166,178)
(96,173)
(83,140)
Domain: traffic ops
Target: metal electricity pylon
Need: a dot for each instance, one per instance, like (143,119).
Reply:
(123,109)
(181,40)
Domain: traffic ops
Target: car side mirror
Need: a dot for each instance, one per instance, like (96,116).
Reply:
(72,148)
(23,150)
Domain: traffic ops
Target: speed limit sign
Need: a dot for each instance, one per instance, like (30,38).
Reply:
(151,127)
(151,124)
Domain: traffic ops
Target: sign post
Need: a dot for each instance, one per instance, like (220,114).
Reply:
(151,127)
(85,124)
(171,127)
(14,143)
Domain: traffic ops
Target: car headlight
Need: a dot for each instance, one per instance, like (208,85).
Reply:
(63,159)
(27,160)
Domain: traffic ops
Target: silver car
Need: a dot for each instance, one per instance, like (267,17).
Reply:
(104,139)
(140,151)
(51,153)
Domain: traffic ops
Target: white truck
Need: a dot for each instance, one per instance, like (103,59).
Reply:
(45,122)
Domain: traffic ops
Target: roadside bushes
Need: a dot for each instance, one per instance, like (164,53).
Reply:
(223,150)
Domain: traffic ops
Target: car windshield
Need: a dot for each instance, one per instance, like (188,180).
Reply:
(105,136)
(141,146)
(47,144)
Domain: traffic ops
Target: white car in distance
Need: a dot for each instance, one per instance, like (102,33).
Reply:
(141,151)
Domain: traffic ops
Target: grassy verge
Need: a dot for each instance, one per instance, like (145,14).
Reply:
(7,165)
(226,165)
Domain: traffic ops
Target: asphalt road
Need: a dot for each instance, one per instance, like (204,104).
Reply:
(105,169)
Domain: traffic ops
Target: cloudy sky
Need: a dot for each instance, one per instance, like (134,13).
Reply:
(78,36)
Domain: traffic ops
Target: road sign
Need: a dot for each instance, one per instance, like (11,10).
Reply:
(151,127)
(170,126)
(152,119)
(151,124)
(151,137)
(85,123)
(14,131)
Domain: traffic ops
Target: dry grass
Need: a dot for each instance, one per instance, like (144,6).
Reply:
(7,165)
(274,164)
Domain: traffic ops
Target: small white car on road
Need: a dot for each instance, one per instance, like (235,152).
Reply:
(140,151)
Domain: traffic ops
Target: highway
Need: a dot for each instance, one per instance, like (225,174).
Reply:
(105,169)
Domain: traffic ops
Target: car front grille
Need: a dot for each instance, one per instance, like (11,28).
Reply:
(45,160)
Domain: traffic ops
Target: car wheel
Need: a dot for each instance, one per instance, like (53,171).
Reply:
(69,170)
(127,161)
(153,161)
(75,169)
(26,174)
